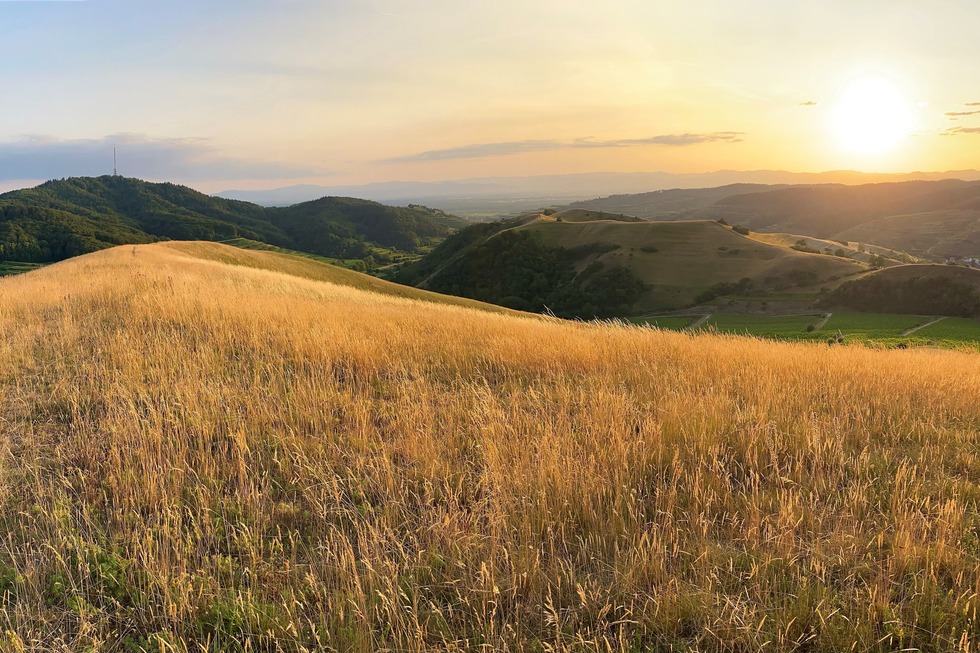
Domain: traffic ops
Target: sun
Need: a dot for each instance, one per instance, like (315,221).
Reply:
(873,116)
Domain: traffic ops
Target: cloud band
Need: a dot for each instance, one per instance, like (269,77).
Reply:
(521,147)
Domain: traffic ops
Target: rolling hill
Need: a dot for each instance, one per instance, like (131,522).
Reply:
(932,219)
(575,266)
(672,204)
(208,453)
(936,235)
(65,218)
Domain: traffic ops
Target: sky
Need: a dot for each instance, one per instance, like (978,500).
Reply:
(260,94)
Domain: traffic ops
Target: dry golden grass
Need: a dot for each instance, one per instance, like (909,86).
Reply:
(198,456)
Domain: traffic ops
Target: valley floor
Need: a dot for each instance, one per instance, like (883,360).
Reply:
(197,454)
(873,329)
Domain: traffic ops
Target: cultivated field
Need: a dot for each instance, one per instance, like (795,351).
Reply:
(876,329)
(201,455)
(952,328)
(871,326)
(792,327)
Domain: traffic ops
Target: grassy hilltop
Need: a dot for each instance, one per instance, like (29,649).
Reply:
(204,448)
(591,264)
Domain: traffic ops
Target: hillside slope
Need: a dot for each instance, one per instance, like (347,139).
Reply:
(857,250)
(827,210)
(304,268)
(203,456)
(935,234)
(925,218)
(673,204)
(60,219)
(663,265)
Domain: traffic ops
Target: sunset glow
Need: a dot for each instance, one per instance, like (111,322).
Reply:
(231,94)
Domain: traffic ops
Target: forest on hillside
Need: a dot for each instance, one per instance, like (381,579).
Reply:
(528,274)
(932,295)
(65,218)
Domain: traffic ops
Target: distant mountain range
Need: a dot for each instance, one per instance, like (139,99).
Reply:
(933,219)
(509,195)
(65,218)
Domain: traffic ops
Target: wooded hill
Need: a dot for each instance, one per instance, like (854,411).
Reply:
(591,264)
(65,218)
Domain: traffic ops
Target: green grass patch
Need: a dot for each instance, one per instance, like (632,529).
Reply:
(386,255)
(872,326)
(8,268)
(952,328)
(255,245)
(765,326)
(872,329)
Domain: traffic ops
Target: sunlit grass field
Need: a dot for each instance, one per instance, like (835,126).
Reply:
(200,451)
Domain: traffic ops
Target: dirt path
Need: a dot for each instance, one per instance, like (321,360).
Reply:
(909,332)
(823,321)
(696,325)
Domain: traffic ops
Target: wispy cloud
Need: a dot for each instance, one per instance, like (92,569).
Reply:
(956,131)
(972,104)
(808,103)
(952,114)
(192,159)
(482,150)
(479,151)
(667,139)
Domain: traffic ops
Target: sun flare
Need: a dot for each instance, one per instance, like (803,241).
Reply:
(873,116)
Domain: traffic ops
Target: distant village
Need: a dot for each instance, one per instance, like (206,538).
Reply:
(968,261)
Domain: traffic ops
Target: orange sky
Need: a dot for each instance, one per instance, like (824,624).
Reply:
(257,94)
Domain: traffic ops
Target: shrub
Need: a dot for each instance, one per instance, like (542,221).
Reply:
(725,288)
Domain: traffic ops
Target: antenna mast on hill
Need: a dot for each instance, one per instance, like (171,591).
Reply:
(115,170)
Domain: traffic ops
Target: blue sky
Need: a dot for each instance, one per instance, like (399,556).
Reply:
(261,94)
